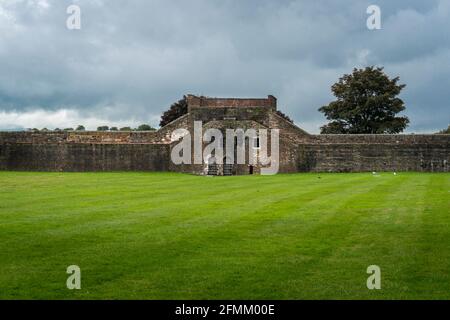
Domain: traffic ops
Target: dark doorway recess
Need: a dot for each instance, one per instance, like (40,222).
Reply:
(227,167)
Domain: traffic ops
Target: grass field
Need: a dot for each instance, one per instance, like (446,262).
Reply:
(173,236)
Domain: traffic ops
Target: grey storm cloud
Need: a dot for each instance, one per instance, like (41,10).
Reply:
(131,60)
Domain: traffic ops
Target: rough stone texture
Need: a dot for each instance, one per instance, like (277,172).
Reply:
(84,157)
(107,137)
(353,153)
(381,138)
(150,151)
(373,157)
(206,102)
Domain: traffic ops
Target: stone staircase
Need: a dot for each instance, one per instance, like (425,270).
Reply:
(212,170)
(227,169)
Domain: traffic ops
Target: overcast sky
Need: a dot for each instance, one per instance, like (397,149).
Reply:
(132,59)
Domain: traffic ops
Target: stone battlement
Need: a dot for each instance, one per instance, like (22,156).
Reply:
(208,102)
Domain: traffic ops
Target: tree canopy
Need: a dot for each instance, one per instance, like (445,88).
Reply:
(103,128)
(366,102)
(145,127)
(175,111)
(445,131)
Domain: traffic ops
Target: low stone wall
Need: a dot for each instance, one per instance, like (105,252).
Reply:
(381,139)
(150,151)
(376,152)
(431,157)
(106,137)
(84,157)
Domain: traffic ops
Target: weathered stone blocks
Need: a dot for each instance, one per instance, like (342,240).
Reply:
(150,151)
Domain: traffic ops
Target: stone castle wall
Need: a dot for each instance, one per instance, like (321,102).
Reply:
(84,157)
(381,139)
(103,137)
(150,151)
(356,153)
(353,157)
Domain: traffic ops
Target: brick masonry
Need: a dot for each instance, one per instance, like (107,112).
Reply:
(150,151)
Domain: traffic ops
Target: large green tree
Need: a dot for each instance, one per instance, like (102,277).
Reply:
(175,111)
(367,102)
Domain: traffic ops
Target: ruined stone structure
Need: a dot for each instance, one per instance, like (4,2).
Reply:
(150,151)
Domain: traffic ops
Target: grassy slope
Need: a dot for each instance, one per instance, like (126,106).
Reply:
(170,236)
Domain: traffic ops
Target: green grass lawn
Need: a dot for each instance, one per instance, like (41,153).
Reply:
(174,236)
